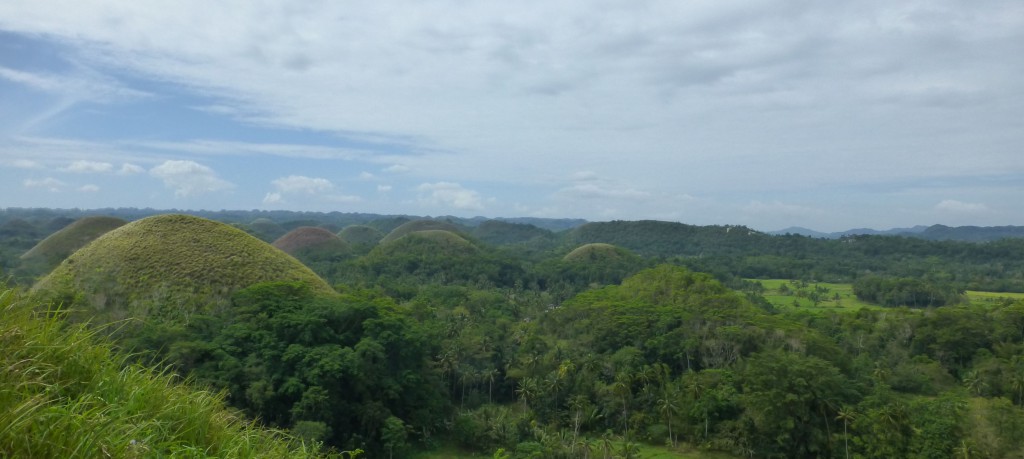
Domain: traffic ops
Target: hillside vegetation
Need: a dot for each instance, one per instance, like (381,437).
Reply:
(65,394)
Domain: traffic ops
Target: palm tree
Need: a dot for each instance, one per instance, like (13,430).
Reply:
(527,390)
(846,415)
(490,375)
(964,450)
(973,382)
(668,407)
(1017,377)
(622,387)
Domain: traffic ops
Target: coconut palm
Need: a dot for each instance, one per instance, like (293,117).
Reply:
(846,415)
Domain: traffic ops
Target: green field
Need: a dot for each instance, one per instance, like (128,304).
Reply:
(811,295)
(826,296)
(976,297)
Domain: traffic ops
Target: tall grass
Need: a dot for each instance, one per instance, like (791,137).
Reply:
(64,394)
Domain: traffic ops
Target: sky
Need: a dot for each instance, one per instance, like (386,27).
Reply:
(770,114)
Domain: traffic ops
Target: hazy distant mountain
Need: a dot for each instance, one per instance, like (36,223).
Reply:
(934,232)
(971,233)
(803,232)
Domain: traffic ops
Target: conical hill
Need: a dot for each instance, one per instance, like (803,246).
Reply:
(67,240)
(420,225)
(361,235)
(168,266)
(598,252)
(310,239)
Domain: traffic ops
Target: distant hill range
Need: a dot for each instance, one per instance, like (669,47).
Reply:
(932,233)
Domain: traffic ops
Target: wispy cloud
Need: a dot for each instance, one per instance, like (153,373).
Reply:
(588,185)
(302,184)
(83,85)
(130,169)
(450,195)
(189,178)
(26,164)
(952,205)
(49,183)
(88,167)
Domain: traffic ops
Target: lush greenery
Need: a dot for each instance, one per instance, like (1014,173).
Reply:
(64,393)
(618,339)
(906,291)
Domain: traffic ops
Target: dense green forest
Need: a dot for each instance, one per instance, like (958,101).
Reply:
(507,339)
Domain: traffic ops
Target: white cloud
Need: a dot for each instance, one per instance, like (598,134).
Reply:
(313,188)
(273,198)
(450,194)
(88,167)
(366,176)
(130,169)
(81,85)
(90,188)
(590,185)
(345,199)
(384,188)
(302,184)
(49,183)
(952,205)
(189,178)
(397,169)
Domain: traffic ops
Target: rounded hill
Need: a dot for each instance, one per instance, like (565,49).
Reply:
(266,229)
(420,225)
(361,235)
(168,266)
(423,257)
(66,241)
(309,239)
(428,241)
(598,252)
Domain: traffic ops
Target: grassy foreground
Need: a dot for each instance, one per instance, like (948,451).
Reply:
(643,451)
(65,394)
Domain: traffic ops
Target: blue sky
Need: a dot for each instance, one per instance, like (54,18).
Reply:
(764,113)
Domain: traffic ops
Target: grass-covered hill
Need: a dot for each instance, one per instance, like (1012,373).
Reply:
(426,242)
(65,394)
(51,251)
(168,266)
(435,256)
(310,239)
(265,229)
(597,252)
(420,225)
(361,235)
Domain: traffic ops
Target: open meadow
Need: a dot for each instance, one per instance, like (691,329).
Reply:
(791,294)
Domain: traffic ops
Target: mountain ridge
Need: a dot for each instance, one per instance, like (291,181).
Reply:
(935,232)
